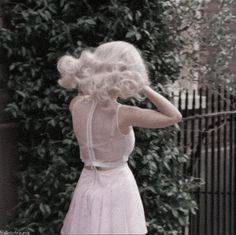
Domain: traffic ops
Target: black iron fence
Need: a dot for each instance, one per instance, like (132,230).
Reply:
(208,135)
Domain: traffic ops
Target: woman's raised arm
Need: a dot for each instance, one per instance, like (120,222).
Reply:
(166,115)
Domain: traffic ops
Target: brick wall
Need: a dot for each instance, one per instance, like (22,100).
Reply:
(232,25)
(212,8)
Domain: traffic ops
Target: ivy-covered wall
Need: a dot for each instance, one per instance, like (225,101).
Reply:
(39,33)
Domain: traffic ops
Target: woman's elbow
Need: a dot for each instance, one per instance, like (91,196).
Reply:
(175,119)
(178,118)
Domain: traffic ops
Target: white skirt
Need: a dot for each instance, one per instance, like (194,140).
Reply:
(106,202)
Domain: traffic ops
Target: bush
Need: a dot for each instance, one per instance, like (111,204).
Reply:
(38,33)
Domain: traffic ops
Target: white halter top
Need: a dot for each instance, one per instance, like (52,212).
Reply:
(97,131)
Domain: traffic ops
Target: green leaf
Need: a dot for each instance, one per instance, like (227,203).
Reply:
(21,93)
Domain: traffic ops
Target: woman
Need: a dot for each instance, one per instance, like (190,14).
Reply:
(106,199)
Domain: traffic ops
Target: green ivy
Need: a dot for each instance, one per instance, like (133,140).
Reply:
(36,35)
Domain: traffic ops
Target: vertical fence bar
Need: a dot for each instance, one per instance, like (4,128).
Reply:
(218,214)
(179,139)
(186,146)
(199,156)
(184,139)
(206,164)
(179,135)
(231,169)
(185,129)
(224,204)
(180,109)
(212,165)
(234,169)
(192,131)
(193,152)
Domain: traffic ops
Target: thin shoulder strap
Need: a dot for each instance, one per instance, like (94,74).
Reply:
(89,137)
(115,119)
(117,111)
(89,130)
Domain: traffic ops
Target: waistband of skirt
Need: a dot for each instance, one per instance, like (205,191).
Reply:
(100,168)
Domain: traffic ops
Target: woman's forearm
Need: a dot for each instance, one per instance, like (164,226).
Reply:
(163,105)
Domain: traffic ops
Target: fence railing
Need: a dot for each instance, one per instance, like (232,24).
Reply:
(208,134)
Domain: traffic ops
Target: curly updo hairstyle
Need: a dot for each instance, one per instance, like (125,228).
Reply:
(113,69)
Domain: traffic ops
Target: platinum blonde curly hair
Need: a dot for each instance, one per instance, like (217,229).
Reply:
(114,69)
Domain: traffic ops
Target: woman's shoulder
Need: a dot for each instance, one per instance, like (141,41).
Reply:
(74,100)
(125,111)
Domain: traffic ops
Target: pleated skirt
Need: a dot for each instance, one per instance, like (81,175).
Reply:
(105,202)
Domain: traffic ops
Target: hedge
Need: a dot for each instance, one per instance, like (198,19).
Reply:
(35,36)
